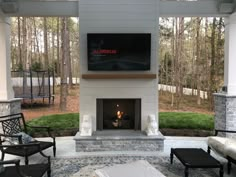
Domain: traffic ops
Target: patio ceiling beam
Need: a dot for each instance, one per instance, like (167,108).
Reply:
(226,5)
(200,8)
(173,8)
(67,8)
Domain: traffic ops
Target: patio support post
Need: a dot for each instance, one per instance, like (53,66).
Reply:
(8,104)
(230,55)
(6,91)
(225,101)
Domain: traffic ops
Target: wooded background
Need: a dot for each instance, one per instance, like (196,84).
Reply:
(191,52)
(192,55)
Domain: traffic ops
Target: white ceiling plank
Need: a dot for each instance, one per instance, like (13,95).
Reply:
(172,8)
(46,8)
(201,8)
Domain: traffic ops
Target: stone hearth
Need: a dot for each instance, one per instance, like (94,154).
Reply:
(119,140)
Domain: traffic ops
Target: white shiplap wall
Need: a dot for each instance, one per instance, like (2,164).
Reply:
(118,16)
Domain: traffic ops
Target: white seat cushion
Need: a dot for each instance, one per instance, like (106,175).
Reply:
(230,148)
(217,144)
(139,168)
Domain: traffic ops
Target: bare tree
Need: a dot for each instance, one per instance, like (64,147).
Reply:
(64,63)
(19,41)
(213,56)
(172,63)
(24,43)
(69,58)
(58,46)
(198,60)
(45,38)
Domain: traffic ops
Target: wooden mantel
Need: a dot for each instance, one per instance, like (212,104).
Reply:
(119,76)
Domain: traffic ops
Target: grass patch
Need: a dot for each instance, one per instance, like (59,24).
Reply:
(186,120)
(174,120)
(58,122)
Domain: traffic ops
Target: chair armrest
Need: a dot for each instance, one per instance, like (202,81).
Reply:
(28,146)
(19,137)
(22,145)
(7,162)
(224,131)
(12,136)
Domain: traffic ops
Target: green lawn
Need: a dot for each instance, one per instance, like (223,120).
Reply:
(58,122)
(186,120)
(176,120)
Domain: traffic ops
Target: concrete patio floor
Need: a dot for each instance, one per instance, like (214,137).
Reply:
(66,149)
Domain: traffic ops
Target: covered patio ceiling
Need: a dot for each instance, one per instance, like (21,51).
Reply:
(70,8)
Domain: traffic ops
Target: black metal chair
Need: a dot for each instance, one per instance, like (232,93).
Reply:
(15,123)
(14,169)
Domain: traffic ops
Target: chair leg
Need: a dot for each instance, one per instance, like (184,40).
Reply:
(54,150)
(208,150)
(26,160)
(49,173)
(229,166)
(3,155)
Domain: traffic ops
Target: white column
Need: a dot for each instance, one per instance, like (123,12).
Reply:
(6,90)
(230,55)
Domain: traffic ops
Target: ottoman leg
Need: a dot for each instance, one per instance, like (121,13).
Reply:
(171,156)
(229,166)
(221,171)
(186,171)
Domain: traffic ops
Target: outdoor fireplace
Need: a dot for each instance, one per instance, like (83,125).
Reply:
(115,68)
(118,114)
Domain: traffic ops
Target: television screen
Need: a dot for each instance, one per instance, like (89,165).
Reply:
(119,52)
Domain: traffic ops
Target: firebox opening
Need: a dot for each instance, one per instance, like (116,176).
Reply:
(118,114)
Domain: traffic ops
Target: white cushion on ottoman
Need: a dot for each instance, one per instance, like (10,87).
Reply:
(139,168)
(217,144)
(230,148)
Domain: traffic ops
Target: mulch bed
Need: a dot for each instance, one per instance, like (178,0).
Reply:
(186,132)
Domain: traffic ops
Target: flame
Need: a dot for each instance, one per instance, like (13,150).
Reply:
(119,114)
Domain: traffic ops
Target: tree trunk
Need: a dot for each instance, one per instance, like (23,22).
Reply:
(53,49)
(24,43)
(193,61)
(206,59)
(58,47)
(69,58)
(198,61)
(37,42)
(173,63)
(212,69)
(178,56)
(20,62)
(30,42)
(64,64)
(45,38)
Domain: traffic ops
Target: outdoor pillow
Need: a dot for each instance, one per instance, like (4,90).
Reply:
(24,137)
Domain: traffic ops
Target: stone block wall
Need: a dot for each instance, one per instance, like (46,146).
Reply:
(225,111)
(10,107)
(119,145)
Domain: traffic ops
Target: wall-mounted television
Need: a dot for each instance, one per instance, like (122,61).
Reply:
(119,51)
